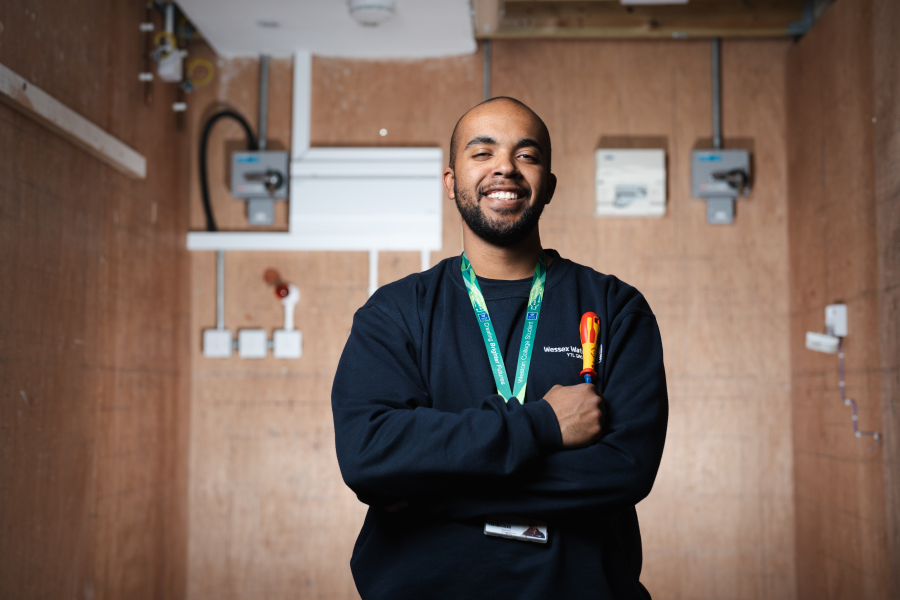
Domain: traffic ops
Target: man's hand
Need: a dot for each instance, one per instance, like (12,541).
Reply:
(578,409)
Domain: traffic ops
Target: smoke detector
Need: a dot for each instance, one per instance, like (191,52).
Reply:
(371,12)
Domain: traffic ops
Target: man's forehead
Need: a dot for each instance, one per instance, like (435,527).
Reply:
(505,121)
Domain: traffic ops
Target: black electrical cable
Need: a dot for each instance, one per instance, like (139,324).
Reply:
(204,184)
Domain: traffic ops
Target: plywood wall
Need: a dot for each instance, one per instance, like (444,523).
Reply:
(842,549)
(93,321)
(269,513)
(886,18)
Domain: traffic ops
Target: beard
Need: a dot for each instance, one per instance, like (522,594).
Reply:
(497,234)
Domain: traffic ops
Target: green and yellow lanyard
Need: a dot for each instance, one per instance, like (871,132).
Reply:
(535,298)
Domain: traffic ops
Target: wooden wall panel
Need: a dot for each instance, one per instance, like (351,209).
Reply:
(834,257)
(886,15)
(269,513)
(93,321)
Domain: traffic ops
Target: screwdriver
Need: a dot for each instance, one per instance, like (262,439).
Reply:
(590,331)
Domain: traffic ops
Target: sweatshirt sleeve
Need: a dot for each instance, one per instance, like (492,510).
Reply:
(615,473)
(391,445)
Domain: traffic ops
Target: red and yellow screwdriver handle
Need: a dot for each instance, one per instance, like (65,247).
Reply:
(590,334)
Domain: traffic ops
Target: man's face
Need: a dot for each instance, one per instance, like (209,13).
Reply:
(501,178)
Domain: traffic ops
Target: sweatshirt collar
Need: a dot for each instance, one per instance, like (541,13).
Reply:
(555,273)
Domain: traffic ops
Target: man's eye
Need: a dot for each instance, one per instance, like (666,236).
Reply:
(480,154)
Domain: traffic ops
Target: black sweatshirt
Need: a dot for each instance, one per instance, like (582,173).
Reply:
(417,419)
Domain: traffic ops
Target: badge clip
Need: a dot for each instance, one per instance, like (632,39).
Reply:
(517,528)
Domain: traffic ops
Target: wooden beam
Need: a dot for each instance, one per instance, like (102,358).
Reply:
(59,118)
(610,19)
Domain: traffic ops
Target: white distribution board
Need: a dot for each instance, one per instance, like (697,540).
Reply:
(630,183)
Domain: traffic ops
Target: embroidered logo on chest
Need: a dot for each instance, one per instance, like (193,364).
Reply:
(573,351)
(570,351)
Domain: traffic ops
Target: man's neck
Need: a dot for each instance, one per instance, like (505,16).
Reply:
(502,262)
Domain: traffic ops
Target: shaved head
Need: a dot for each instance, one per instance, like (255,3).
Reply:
(493,104)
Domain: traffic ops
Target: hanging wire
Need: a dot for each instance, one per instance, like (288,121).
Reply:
(851,402)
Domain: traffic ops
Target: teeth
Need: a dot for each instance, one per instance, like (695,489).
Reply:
(503,195)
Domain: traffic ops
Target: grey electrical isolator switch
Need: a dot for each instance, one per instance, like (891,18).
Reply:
(260,177)
(720,177)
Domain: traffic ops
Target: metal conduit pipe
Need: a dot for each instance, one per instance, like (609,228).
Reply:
(716,93)
(220,290)
(487,69)
(263,100)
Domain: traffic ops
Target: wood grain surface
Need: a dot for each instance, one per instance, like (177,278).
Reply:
(886,18)
(842,245)
(763,491)
(94,320)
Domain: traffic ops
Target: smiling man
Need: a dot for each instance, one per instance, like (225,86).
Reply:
(490,469)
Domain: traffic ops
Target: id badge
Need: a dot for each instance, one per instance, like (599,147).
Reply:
(517,528)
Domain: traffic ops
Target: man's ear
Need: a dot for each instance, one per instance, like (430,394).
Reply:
(551,187)
(449,178)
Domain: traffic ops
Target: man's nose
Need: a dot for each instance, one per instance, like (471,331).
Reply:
(505,166)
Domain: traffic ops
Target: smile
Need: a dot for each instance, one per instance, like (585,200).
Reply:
(505,195)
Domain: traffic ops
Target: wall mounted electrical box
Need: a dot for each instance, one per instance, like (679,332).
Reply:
(630,183)
(260,178)
(217,343)
(720,177)
(253,343)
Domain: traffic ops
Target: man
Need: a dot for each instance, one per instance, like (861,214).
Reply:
(459,397)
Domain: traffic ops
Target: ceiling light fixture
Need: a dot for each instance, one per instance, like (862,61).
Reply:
(371,12)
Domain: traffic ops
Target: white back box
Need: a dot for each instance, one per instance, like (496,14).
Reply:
(363,198)
(630,183)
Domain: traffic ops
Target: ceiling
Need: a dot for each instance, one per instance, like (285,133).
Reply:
(435,28)
(418,29)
